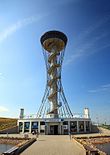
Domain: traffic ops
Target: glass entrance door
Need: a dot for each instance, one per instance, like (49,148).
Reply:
(54,130)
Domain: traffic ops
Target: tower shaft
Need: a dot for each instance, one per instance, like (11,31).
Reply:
(54,103)
(52,83)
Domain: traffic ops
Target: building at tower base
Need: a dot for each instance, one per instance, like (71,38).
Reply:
(52,126)
(56,126)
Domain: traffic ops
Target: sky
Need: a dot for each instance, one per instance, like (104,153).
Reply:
(86,66)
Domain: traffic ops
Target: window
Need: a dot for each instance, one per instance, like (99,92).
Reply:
(42,123)
(65,123)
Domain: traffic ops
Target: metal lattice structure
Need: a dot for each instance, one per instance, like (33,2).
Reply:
(54,103)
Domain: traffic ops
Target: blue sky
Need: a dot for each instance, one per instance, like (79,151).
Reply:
(86,66)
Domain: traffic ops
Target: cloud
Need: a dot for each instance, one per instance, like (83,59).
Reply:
(1,76)
(102,88)
(85,47)
(3,109)
(92,28)
(106,86)
(19,24)
(86,50)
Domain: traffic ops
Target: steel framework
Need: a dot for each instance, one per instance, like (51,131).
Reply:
(54,103)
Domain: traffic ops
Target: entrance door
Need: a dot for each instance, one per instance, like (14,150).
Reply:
(51,130)
(54,129)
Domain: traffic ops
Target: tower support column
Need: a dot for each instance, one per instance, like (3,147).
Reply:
(84,126)
(68,126)
(30,127)
(61,124)
(90,125)
(77,126)
(39,126)
(23,128)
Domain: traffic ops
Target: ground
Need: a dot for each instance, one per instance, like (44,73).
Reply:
(54,145)
(6,123)
(51,145)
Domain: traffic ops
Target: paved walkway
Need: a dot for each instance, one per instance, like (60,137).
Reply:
(54,145)
(104,131)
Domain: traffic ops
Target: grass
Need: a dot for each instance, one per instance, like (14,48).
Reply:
(6,123)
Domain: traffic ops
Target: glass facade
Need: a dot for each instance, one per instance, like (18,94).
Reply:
(87,126)
(81,126)
(73,126)
(63,127)
(42,123)
(20,126)
(26,126)
(34,126)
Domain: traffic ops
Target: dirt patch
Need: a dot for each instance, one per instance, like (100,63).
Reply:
(13,140)
(90,142)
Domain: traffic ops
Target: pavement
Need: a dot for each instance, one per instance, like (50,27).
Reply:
(102,132)
(51,145)
(54,145)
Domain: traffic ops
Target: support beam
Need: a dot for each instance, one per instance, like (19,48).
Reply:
(23,128)
(90,125)
(68,126)
(39,126)
(84,126)
(30,127)
(77,126)
(61,128)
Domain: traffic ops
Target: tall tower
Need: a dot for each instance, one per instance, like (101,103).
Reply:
(54,103)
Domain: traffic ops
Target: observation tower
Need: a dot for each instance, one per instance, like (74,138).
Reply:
(54,116)
(54,103)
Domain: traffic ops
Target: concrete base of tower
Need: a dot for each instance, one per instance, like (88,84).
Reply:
(58,126)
